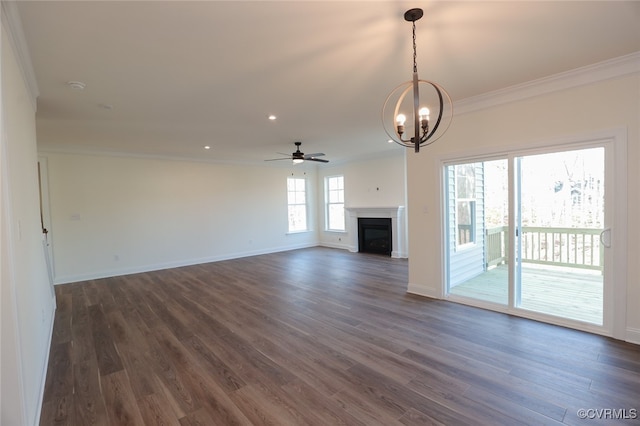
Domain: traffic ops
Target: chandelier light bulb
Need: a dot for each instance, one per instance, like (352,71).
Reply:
(401,119)
(424,113)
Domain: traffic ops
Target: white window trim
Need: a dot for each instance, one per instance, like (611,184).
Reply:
(327,204)
(306,207)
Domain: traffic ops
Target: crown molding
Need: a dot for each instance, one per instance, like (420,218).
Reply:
(13,24)
(76,150)
(613,68)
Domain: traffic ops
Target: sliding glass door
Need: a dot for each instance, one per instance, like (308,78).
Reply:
(561,221)
(528,232)
(478,219)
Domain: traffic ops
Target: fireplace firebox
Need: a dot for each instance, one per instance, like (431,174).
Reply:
(374,235)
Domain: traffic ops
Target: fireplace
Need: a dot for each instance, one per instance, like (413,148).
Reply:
(374,235)
(397,229)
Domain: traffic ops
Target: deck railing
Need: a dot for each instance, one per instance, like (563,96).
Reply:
(573,247)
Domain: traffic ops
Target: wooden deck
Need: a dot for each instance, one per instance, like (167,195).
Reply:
(566,292)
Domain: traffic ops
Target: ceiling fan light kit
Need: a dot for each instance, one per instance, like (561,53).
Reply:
(299,157)
(393,118)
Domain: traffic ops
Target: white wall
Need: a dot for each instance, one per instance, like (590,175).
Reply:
(372,182)
(27,304)
(601,107)
(116,215)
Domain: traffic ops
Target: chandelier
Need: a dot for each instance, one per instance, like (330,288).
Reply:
(424,132)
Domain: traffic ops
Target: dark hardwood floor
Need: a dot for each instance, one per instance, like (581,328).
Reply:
(318,337)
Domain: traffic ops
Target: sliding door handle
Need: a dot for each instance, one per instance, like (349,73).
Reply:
(606,242)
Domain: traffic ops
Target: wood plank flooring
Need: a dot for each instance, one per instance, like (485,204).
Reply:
(317,337)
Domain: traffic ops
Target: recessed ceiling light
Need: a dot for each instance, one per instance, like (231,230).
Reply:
(272,117)
(390,141)
(207,147)
(76,85)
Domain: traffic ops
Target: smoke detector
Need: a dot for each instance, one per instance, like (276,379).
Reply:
(76,85)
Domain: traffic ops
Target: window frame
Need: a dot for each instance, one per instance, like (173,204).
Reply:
(465,199)
(328,203)
(296,204)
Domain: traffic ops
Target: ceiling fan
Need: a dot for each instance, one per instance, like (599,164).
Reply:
(299,157)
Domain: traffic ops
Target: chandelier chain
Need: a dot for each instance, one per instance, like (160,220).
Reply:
(415,66)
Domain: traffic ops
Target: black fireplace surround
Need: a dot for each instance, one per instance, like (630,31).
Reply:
(374,235)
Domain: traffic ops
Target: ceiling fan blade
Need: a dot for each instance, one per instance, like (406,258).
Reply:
(298,155)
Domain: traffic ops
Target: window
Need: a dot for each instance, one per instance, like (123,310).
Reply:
(466,203)
(334,200)
(297,204)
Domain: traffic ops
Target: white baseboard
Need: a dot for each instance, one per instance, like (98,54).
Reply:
(45,367)
(334,245)
(399,255)
(633,335)
(422,290)
(175,264)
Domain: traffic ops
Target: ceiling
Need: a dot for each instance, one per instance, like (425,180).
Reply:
(167,78)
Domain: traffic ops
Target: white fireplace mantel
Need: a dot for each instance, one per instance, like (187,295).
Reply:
(398,226)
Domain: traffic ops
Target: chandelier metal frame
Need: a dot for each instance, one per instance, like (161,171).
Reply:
(422,133)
